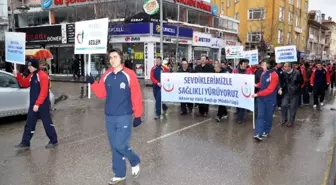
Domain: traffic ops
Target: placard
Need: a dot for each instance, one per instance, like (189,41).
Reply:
(285,54)
(234,52)
(91,36)
(252,56)
(15,47)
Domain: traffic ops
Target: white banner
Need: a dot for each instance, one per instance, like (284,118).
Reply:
(91,36)
(233,90)
(234,52)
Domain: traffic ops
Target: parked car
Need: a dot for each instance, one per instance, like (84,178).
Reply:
(14,100)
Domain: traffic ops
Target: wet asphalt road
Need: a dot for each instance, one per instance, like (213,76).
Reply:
(178,150)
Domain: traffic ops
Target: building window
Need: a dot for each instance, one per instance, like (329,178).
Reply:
(298,3)
(236,1)
(222,7)
(306,7)
(291,2)
(254,37)
(228,3)
(281,14)
(237,16)
(256,14)
(298,21)
(290,18)
(289,38)
(170,10)
(280,36)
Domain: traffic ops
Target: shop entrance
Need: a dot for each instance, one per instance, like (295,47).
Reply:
(199,51)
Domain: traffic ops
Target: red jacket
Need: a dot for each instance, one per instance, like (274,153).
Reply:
(312,78)
(248,71)
(155,74)
(304,75)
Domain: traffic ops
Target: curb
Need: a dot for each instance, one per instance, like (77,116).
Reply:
(330,173)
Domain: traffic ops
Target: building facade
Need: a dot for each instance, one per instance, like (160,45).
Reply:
(316,36)
(276,22)
(330,48)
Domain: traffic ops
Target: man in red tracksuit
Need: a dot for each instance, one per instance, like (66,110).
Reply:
(120,86)
(319,80)
(155,76)
(39,106)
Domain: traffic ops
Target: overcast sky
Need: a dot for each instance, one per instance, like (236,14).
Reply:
(326,6)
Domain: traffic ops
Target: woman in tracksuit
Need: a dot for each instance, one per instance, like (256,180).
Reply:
(120,86)
(267,98)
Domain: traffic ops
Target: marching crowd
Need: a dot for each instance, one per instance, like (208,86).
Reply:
(280,85)
(287,87)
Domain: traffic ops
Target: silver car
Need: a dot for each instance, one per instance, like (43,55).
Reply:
(14,100)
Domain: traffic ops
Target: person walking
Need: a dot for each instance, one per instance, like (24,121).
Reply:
(120,86)
(186,107)
(39,105)
(290,88)
(319,80)
(241,69)
(155,76)
(267,97)
(279,70)
(222,112)
(204,67)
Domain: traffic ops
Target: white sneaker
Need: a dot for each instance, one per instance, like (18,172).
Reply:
(314,106)
(279,108)
(136,171)
(116,180)
(322,104)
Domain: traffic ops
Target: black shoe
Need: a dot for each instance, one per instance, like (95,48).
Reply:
(50,145)
(240,122)
(289,125)
(283,122)
(22,146)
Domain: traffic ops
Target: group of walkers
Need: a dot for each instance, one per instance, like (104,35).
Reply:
(282,85)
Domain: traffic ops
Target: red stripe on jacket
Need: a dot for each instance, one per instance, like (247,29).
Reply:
(312,77)
(271,86)
(152,76)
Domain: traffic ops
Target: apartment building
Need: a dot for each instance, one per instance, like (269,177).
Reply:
(330,47)
(277,22)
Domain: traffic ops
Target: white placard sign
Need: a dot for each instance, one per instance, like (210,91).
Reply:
(234,52)
(252,56)
(285,54)
(91,36)
(15,47)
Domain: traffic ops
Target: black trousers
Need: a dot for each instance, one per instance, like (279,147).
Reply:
(222,111)
(289,105)
(279,98)
(203,109)
(306,97)
(319,93)
(184,107)
(332,83)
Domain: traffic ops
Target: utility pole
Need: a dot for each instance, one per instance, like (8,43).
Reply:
(161,28)
(177,35)
(12,26)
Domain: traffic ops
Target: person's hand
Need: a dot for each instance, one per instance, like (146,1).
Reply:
(35,108)
(280,92)
(255,85)
(159,84)
(15,73)
(137,122)
(254,95)
(312,85)
(90,79)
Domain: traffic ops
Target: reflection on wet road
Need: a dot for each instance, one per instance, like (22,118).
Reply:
(178,150)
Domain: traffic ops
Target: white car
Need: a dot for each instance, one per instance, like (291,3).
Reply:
(14,100)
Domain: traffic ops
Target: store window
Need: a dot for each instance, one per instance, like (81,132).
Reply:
(193,16)
(170,53)
(204,19)
(170,10)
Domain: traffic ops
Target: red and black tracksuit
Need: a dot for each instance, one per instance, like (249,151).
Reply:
(38,82)
(155,76)
(319,80)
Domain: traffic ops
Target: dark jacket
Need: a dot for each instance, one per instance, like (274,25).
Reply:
(226,70)
(189,70)
(291,82)
(205,69)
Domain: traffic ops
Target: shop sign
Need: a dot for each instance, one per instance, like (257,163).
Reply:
(231,43)
(202,39)
(171,30)
(216,43)
(132,39)
(50,4)
(129,29)
(91,36)
(43,34)
(196,4)
(151,7)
